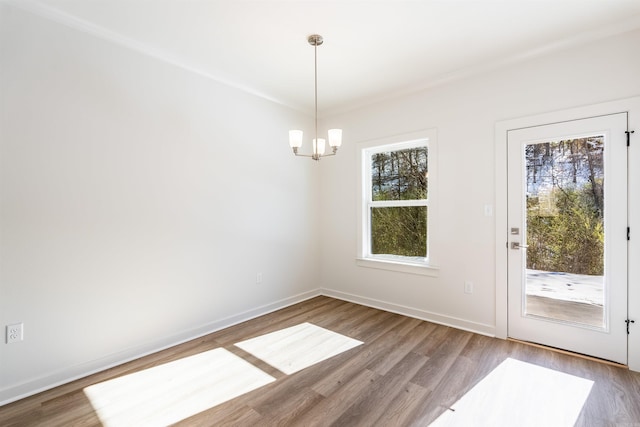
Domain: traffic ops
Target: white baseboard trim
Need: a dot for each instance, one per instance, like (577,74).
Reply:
(67,375)
(454,322)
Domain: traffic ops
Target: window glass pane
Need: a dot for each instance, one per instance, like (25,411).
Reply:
(399,231)
(399,175)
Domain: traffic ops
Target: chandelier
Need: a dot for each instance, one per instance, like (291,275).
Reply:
(335,135)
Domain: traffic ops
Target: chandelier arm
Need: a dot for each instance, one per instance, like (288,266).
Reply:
(315,156)
(304,155)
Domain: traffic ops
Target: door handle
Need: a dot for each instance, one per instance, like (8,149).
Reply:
(517,245)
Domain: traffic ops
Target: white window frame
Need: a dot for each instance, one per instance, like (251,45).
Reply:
(414,265)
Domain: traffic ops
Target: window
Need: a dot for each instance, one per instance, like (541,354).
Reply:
(397,198)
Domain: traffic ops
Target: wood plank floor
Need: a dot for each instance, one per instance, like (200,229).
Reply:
(407,373)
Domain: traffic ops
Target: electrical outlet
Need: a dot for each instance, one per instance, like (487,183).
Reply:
(15,333)
(468,287)
(259,278)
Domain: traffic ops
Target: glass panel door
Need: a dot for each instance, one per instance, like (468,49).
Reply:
(567,215)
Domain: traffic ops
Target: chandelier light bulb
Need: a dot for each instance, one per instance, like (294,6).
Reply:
(319,147)
(295,138)
(335,137)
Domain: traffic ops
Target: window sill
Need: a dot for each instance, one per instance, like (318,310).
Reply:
(422,269)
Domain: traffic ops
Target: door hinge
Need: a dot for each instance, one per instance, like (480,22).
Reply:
(629,136)
(628,321)
(628,233)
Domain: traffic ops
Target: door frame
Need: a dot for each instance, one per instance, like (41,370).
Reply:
(630,105)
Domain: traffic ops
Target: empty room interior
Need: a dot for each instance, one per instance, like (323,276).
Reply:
(392,213)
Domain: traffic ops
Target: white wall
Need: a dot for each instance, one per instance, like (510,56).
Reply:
(138,202)
(464,113)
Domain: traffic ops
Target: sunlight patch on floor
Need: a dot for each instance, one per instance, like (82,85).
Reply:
(293,349)
(522,394)
(171,392)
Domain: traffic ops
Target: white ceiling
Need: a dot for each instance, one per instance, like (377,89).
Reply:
(373,50)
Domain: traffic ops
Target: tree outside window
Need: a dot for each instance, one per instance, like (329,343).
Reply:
(565,205)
